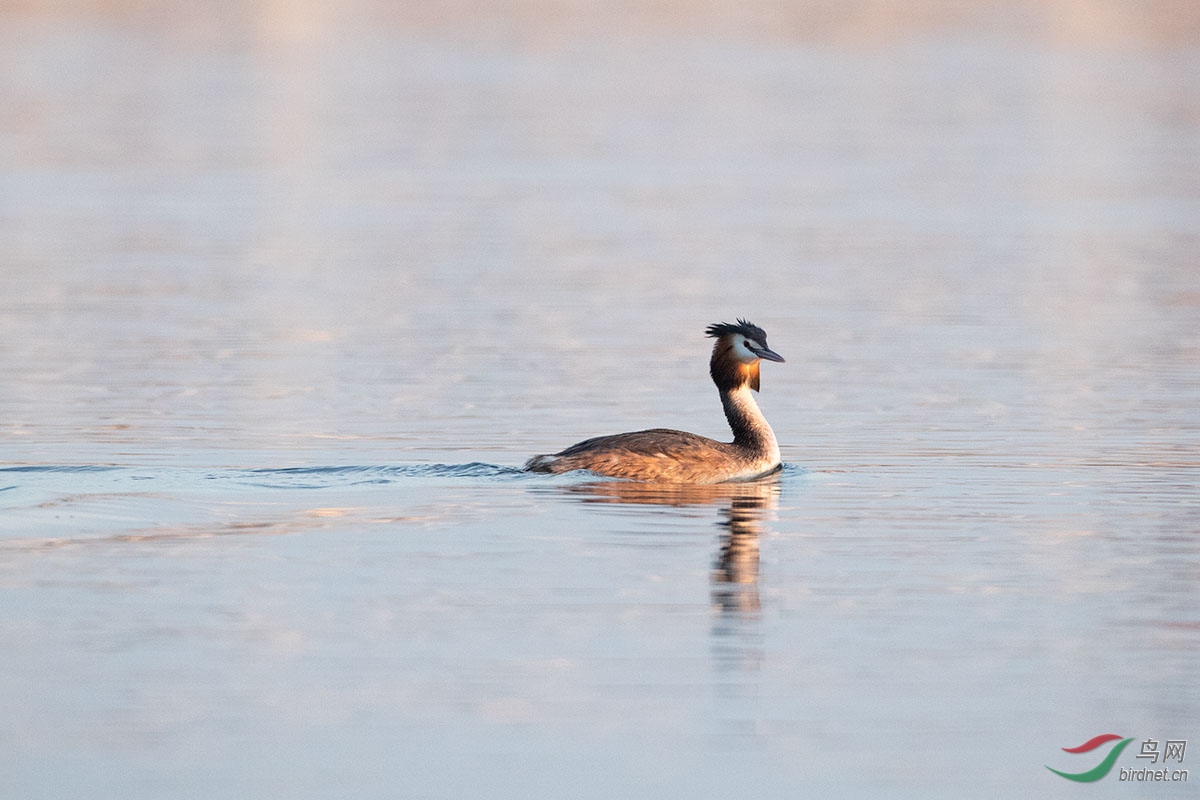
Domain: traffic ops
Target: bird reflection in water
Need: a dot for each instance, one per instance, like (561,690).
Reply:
(742,508)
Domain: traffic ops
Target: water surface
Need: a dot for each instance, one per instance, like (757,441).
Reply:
(289,296)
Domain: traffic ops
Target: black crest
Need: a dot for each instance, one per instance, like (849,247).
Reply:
(747,329)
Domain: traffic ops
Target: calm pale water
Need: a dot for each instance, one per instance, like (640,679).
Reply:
(289,294)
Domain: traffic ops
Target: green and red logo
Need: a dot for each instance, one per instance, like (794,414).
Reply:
(1104,767)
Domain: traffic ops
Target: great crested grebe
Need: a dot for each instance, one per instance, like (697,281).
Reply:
(670,456)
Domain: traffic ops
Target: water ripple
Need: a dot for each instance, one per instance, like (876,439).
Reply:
(319,477)
(108,478)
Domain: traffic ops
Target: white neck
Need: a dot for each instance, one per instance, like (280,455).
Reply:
(750,428)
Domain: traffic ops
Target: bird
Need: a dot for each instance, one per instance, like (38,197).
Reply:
(662,455)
